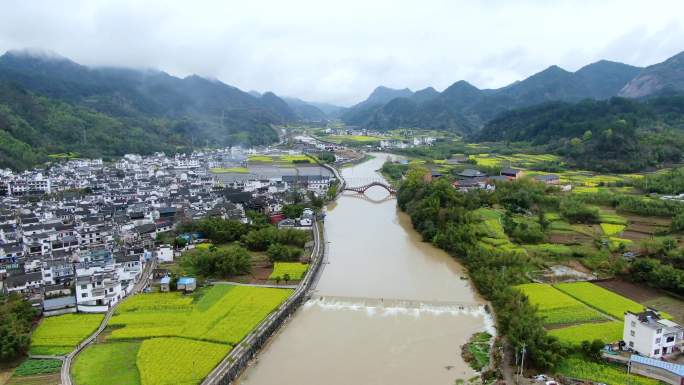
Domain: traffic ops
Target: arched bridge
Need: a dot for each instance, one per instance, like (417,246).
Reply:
(361,188)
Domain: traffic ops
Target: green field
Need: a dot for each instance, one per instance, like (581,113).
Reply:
(515,160)
(109,363)
(65,155)
(607,332)
(280,159)
(226,170)
(166,361)
(599,298)
(491,232)
(171,338)
(552,250)
(59,335)
(557,307)
(295,270)
(599,372)
(352,138)
(226,318)
(259,158)
(33,367)
(612,229)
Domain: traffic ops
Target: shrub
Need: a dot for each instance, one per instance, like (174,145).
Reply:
(576,211)
(278,252)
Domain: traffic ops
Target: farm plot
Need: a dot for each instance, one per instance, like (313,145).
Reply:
(109,363)
(599,372)
(574,335)
(223,314)
(611,229)
(34,367)
(600,298)
(166,361)
(59,335)
(606,216)
(491,231)
(294,270)
(557,307)
(550,250)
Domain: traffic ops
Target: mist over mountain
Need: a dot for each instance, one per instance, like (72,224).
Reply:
(65,99)
(305,111)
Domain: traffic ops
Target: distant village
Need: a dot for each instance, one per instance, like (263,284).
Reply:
(80,234)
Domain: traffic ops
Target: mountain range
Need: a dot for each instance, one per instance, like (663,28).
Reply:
(464,108)
(50,104)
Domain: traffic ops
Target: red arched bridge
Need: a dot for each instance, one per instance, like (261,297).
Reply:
(360,188)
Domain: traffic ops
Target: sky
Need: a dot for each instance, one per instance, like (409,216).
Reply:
(338,52)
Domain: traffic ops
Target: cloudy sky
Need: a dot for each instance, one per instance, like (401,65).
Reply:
(339,51)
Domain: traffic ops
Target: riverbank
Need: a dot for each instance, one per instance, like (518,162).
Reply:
(240,356)
(388,308)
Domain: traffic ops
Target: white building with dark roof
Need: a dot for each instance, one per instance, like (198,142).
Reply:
(649,335)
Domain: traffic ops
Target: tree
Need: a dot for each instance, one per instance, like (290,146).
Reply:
(16,316)
(260,239)
(286,278)
(592,350)
(282,253)
(180,242)
(225,261)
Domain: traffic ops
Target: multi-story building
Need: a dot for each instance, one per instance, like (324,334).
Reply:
(649,335)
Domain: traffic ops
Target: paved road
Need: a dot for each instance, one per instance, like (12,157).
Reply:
(65,373)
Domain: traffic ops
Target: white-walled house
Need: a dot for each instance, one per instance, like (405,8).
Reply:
(649,335)
(97,288)
(164,253)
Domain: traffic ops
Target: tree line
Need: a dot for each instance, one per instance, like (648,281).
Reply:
(233,240)
(445,217)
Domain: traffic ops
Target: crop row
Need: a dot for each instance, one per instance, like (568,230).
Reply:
(166,361)
(226,315)
(295,270)
(557,307)
(59,335)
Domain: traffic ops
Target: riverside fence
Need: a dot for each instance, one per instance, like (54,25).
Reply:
(237,360)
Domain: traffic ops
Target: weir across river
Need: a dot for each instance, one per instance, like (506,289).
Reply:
(387,308)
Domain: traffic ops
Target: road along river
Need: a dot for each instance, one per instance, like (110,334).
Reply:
(388,308)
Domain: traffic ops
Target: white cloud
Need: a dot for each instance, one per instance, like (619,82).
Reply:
(339,51)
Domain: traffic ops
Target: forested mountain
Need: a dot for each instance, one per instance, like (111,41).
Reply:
(618,134)
(33,127)
(361,113)
(464,108)
(305,111)
(130,110)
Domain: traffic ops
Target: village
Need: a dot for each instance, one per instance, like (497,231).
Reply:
(78,236)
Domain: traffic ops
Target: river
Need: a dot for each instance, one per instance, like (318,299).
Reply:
(388,308)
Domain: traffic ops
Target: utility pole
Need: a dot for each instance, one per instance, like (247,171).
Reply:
(522,360)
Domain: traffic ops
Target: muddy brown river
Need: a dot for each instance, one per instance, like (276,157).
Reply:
(388,308)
